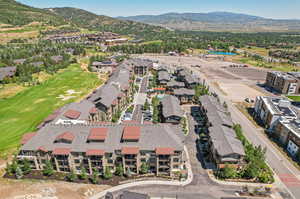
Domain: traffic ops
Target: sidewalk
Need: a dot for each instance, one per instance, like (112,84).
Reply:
(141,183)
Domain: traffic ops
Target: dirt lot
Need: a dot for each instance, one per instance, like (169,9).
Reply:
(249,73)
(11,189)
(237,92)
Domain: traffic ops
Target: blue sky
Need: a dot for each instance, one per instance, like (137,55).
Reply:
(279,9)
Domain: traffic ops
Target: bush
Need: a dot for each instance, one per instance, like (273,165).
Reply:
(72,176)
(48,169)
(26,166)
(227,172)
(83,174)
(119,170)
(95,176)
(107,173)
(144,168)
(19,173)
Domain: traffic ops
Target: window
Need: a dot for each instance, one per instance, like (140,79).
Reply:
(110,161)
(175,167)
(176,159)
(143,160)
(77,161)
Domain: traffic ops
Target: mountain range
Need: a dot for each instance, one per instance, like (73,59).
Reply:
(17,14)
(217,21)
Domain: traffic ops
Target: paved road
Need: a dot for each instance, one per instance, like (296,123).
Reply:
(287,173)
(141,96)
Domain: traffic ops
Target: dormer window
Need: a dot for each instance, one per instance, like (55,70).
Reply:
(131,134)
(72,114)
(97,135)
(66,137)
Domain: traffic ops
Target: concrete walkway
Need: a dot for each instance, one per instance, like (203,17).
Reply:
(153,182)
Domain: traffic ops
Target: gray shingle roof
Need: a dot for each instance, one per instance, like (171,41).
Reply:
(160,135)
(171,106)
(225,141)
(216,113)
(83,107)
(184,91)
(163,75)
(222,135)
(174,83)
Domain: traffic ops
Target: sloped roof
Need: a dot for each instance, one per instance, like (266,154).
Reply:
(171,106)
(72,114)
(130,150)
(164,151)
(98,134)
(65,136)
(131,132)
(26,137)
(61,151)
(95,152)
(184,91)
(151,137)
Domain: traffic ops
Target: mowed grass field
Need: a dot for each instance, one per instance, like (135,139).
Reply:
(23,112)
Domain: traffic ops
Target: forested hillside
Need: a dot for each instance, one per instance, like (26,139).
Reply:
(14,13)
(92,21)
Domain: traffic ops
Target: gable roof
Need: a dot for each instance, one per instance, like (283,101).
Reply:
(171,106)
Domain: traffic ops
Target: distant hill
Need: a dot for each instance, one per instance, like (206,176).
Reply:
(217,21)
(83,18)
(17,14)
(14,13)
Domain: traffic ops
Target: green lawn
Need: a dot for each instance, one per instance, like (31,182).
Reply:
(294,98)
(26,110)
(274,66)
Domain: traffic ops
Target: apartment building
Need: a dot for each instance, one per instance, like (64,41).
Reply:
(170,109)
(288,134)
(71,147)
(141,66)
(269,109)
(224,147)
(185,96)
(114,95)
(285,83)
